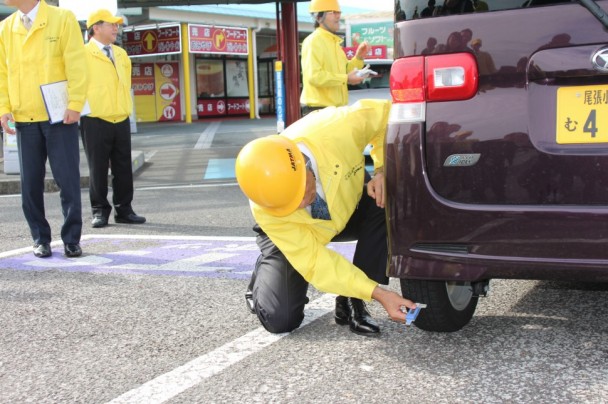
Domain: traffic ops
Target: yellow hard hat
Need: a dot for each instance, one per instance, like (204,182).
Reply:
(271,171)
(316,6)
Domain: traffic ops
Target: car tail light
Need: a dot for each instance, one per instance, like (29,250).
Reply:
(407,80)
(449,77)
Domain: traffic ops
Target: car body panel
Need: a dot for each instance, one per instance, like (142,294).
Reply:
(529,207)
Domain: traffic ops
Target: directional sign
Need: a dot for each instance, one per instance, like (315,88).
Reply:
(168,91)
(218,40)
(152,41)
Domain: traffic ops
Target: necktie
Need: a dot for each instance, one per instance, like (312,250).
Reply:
(319,209)
(107,49)
(27,23)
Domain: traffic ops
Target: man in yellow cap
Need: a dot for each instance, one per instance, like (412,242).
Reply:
(326,71)
(42,44)
(106,131)
(307,187)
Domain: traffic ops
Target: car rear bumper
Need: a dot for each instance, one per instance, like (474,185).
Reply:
(431,237)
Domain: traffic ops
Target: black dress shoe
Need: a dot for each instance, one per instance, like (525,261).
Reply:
(131,218)
(342,313)
(99,221)
(72,250)
(249,301)
(361,322)
(42,250)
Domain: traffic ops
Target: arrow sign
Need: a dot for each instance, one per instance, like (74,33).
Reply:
(150,41)
(168,91)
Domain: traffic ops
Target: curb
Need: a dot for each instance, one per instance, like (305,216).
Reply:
(10,186)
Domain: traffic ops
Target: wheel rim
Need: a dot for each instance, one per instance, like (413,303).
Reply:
(460,294)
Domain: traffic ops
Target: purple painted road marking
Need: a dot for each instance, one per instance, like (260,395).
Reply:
(221,258)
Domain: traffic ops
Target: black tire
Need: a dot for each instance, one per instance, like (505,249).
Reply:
(450,305)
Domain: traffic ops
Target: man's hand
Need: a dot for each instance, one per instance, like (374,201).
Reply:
(362,50)
(354,79)
(375,189)
(71,116)
(392,303)
(4,120)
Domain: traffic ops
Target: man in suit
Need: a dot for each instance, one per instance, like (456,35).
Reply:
(106,131)
(42,44)
(307,187)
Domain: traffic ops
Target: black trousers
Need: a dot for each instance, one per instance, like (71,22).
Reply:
(108,145)
(279,291)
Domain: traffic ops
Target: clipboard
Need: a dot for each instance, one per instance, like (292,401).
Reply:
(55,97)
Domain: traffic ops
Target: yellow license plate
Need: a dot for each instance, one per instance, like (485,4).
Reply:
(582,114)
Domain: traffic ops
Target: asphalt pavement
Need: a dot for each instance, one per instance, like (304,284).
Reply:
(155,313)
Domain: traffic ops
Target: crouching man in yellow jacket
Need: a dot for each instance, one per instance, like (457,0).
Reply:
(308,187)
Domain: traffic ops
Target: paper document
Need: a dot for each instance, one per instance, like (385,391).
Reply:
(55,96)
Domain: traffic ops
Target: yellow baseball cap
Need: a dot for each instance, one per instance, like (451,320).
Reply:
(103,15)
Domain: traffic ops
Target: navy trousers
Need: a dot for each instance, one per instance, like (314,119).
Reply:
(37,142)
(279,291)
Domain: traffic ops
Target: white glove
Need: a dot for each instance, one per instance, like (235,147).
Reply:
(366,72)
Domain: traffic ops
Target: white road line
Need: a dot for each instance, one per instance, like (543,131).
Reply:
(192,373)
(206,138)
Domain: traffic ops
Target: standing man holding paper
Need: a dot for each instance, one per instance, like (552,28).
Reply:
(42,44)
(326,71)
(106,132)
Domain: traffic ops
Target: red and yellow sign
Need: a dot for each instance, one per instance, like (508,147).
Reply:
(222,106)
(218,40)
(375,52)
(154,41)
(156,90)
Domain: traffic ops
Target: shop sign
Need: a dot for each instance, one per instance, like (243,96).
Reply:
(153,41)
(222,106)
(218,40)
(375,52)
(375,33)
(142,79)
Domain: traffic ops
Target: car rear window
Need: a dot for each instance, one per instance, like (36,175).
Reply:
(415,9)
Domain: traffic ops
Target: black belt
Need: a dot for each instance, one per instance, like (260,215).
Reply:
(306,109)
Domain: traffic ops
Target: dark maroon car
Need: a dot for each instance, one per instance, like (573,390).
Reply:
(497,149)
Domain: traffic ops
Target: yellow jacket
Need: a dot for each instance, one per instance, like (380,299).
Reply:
(52,50)
(324,70)
(336,137)
(109,90)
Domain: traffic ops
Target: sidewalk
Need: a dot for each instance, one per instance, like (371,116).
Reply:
(11,183)
(228,133)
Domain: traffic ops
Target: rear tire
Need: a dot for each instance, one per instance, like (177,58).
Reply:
(450,305)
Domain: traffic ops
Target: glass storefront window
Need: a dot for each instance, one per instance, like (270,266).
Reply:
(236,78)
(210,78)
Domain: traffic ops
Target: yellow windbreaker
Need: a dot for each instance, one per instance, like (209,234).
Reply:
(109,90)
(337,138)
(324,70)
(52,50)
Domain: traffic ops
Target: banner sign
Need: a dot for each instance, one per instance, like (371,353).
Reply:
(375,33)
(375,52)
(222,106)
(218,40)
(142,79)
(153,41)
(279,95)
